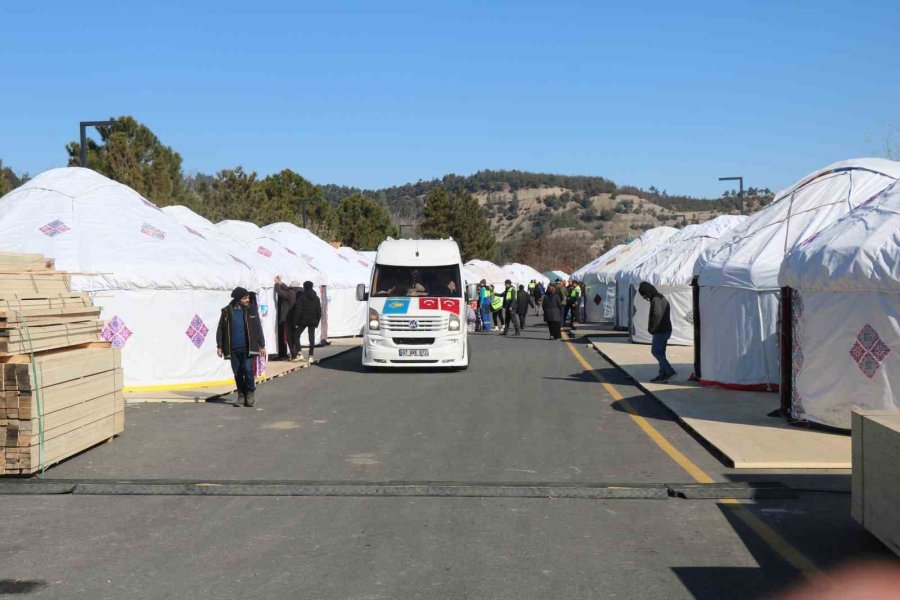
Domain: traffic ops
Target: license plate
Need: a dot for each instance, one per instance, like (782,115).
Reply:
(416,352)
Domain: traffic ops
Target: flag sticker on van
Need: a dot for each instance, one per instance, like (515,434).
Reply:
(428,304)
(450,305)
(396,306)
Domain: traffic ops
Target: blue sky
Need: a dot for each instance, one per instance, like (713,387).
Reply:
(381,93)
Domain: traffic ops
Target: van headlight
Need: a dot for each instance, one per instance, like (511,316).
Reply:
(373,320)
(454,322)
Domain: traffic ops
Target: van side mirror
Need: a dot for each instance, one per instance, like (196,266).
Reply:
(361,293)
(472,291)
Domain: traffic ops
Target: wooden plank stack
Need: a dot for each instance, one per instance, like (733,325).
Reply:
(875,502)
(68,397)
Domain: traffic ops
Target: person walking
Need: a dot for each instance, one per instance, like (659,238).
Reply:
(497,309)
(659,324)
(509,308)
(574,301)
(552,308)
(239,338)
(539,292)
(307,315)
(484,306)
(287,297)
(523,302)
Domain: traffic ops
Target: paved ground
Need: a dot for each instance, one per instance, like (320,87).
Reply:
(527,411)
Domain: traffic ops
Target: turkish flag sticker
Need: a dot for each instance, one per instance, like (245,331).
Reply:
(428,303)
(450,305)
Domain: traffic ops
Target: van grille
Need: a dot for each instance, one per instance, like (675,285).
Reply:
(414,323)
(414,341)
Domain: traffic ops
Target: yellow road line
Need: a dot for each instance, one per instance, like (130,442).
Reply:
(783,548)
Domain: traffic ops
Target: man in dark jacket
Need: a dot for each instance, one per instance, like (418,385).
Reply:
(307,314)
(287,297)
(239,338)
(552,307)
(659,324)
(509,308)
(524,300)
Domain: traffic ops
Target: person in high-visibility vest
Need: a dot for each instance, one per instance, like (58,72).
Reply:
(509,308)
(497,308)
(575,299)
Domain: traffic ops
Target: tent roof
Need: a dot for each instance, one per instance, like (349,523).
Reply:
(750,255)
(673,261)
(490,272)
(860,252)
(340,272)
(91,224)
(265,255)
(599,261)
(637,250)
(519,273)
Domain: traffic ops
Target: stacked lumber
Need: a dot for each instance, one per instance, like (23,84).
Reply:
(60,386)
(875,500)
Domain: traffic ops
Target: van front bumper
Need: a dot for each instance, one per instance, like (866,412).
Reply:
(383,351)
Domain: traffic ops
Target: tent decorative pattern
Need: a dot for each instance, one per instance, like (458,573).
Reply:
(264,251)
(197,331)
(154,232)
(797,350)
(116,333)
(54,228)
(869,351)
(239,261)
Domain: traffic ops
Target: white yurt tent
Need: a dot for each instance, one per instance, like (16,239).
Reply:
(670,270)
(264,256)
(521,274)
(161,288)
(490,272)
(600,282)
(554,275)
(651,245)
(346,315)
(738,275)
(608,255)
(844,305)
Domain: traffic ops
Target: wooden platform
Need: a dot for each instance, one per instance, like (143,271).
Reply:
(274,369)
(735,424)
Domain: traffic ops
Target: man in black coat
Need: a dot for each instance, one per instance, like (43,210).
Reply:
(552,307)
(523,302)
(287,297)
(307,315)
(659,324)
(239,338)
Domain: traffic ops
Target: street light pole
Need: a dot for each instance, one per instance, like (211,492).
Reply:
(740,192)
(82,126)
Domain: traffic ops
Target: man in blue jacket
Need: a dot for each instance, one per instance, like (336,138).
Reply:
(239,338)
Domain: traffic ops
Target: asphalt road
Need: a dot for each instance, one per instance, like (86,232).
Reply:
(526,412)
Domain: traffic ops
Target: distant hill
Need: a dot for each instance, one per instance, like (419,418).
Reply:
(524,205)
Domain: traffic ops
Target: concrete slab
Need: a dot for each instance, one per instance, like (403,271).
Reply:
(736,424)
(274,369)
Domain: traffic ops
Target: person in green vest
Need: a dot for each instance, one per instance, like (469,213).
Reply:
(575,301)
(509,308)
(497,309)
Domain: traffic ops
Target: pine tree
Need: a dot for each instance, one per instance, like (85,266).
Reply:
(471,228)
(363,223)
(436,222)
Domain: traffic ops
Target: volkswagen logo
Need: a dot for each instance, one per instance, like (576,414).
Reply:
(413,324)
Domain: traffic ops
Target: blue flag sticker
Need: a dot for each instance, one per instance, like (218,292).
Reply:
(396,306)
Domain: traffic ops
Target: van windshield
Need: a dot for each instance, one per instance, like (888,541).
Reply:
(441,282)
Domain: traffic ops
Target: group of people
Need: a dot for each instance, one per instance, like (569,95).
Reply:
(240,338)
(494,310)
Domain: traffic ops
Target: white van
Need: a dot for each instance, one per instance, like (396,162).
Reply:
(417,308)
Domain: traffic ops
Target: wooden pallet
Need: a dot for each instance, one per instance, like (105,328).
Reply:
(15,261)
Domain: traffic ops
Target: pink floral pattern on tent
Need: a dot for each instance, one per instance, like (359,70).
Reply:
(154,232)
(54,228)
(869,351)
(264,251)
(197,331)
(115,332)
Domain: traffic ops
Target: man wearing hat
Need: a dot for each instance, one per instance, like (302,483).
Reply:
(239,338)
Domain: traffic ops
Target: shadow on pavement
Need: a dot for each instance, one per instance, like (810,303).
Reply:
(20,586)
(716,583)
